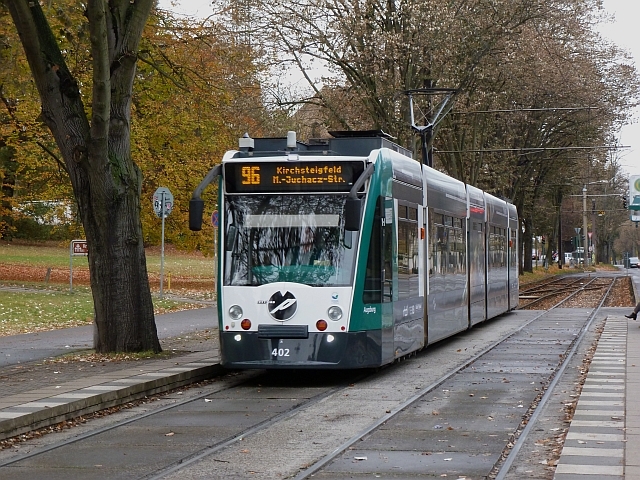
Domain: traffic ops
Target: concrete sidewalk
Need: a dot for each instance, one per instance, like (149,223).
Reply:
(42,407)
(40,388)
(603,441)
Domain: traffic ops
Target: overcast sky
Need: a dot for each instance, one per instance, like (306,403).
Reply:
(623,32)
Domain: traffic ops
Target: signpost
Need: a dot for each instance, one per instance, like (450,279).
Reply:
(162,205)
(162,202)
(76,248)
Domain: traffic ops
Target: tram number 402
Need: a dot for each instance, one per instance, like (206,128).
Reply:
(280,352)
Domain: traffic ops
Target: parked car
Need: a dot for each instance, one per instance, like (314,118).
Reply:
(633,262)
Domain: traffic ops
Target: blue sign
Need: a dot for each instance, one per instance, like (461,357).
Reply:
(214,219)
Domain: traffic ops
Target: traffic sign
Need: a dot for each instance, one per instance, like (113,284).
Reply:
(214,219)
(76,247)
(79,247)
(162,202)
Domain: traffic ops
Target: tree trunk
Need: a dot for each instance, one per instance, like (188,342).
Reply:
(117,264)
(96,151)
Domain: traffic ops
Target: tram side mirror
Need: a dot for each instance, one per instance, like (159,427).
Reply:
(352,214)
(231,238)
(196,209)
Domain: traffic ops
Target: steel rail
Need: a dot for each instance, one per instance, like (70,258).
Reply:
(560,293)
(317,466)
(190,459)
(324,461)
(93,433)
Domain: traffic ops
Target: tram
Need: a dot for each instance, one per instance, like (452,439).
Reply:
(347,253)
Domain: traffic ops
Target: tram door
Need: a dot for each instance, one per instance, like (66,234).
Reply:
(380,280)
(393,252)
(389,261)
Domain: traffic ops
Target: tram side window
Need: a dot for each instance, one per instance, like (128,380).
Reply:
(373,279)
(497,247)
(452,261)
(493,247)
(448,245)
(458,249)
(438,244)
(408,281)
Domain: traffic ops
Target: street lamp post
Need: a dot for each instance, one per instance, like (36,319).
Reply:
(584,226)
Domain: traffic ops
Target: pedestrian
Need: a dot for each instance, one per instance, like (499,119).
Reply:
(634,314)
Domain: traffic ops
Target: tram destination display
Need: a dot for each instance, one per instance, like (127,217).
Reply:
(272,177)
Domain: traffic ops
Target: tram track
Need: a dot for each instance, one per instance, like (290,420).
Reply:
(316,469)
(542,296)
(361,406)
(331,416)
(547,284)
(231,382)
(602,285)
(502,467)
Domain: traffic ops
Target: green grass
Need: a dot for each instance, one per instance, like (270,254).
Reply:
(32,305)
(27,311)
(181,264)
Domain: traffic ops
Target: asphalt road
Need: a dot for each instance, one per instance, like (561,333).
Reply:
(29,347)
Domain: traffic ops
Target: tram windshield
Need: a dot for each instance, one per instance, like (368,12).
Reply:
(287,238)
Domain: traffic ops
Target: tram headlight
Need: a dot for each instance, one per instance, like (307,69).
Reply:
(334,313)
(235,312)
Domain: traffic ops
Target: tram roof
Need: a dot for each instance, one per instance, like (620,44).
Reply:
(351,143)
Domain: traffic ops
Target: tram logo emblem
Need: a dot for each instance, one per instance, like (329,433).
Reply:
(282,307)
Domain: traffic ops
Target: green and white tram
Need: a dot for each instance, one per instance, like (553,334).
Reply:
(347,253)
